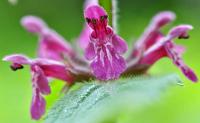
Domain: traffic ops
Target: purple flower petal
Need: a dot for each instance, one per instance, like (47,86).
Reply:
(33,24)
(162,19)
(40,80)
(41,69)
(119,44)
(38,105)
(84,37)
(166,47)
(177,60)
(17,58)
(108,65)
(153,30)
(153,57)
(94,11)
(51,68)
(17,61)
(180,49)
(175,32)
(189,73)
(180,31)
(105,47)
(54,69)
(52,45)
(90,52)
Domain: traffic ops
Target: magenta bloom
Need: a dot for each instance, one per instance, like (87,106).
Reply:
(105,47)
(156,46)
(165,47)
(103,52)
(41,69)
(52,45)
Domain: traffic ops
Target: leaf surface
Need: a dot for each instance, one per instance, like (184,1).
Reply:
(96,102)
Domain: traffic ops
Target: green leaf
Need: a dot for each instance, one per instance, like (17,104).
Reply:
(103,102)
(111,8)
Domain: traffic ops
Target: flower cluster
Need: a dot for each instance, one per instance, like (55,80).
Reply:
(103,51)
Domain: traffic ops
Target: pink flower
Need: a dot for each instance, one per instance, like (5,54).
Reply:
(51,44)
(165,47)
(41,69)
(152,32)
(156,46)
(103,52)
(105,48)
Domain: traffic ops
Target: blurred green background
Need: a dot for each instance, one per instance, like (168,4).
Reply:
(179,105)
